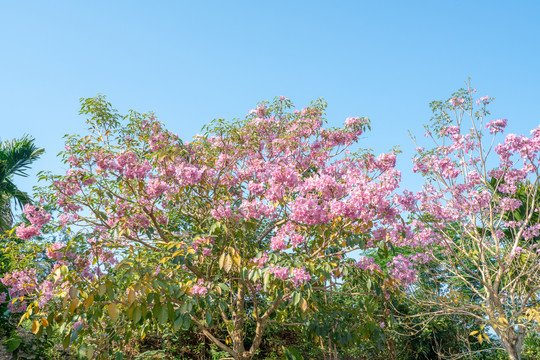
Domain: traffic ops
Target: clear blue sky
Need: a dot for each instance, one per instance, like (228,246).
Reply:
(192,61)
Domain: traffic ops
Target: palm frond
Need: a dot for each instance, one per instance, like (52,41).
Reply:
(6,215)
(16,155)
(8,188)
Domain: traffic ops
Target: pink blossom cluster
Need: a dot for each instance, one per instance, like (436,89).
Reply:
(53,252)
(79,325)
(222,211)
(37,217)
(199,289)
(402,269)
(27,232)
(20,283)
(188,174)
(157,187)
(256,209)
(309,210)
(496,126)
(204,244)
(261,261)
(515,252)
(299,275)
(483,100)
(280,272)
(285,234)
(455,101)
(368,263)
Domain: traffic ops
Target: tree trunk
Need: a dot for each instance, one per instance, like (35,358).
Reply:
(513,354)
(513,342)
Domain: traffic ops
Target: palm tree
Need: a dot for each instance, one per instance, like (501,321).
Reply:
(15,158)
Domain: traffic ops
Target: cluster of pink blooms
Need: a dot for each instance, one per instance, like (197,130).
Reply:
(456,101)
(483,100)
(199,289)
(402,269)
(20,283)
(496,126)
(368,263)
(299,275)
(53,252)
(261,261)
(37,217)
(515,252)
(203,244)
(286,232)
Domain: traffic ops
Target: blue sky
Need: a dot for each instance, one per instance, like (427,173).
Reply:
(192,61)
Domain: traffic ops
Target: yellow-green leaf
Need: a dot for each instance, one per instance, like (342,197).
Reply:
(237,259)
(88,302)
(73,305)
(303,304)
(131,296)
(73,292)
(228,263)
(221,261)
(90,352)
(101,289)
(35,326)
(113,311)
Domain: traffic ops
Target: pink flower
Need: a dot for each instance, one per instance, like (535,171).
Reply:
(261,261)
(455,101)
(483,100)
(368,263)
(281,273)
(27,232)
(37,217)
(199,289)
(300,276)
(496,126)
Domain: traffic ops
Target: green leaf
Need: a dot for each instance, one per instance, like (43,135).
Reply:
(162,314)
(65,342)
(187,321)
(266,279)
(178,322)
(13,342)
(296,298)
(291,354)
(137,313)
(90,352)
(224,287)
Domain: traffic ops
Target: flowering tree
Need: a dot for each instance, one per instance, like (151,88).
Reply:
(479,214)
(248,224)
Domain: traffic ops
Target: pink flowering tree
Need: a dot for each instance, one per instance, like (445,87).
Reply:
(247,225)
(478,217)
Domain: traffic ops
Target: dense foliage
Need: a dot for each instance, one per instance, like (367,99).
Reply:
(272,227)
